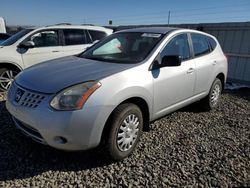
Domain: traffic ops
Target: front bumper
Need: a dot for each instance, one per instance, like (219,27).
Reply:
(66,130)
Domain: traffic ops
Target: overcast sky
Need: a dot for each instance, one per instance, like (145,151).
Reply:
(122,12)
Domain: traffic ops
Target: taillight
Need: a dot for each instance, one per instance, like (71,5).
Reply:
(226,56)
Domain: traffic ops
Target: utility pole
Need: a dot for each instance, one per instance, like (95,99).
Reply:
(168,17)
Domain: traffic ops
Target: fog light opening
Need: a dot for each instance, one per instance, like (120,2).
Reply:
(61,140)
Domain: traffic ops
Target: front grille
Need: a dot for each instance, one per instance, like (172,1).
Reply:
(31,100)
(29,131)
(24,97)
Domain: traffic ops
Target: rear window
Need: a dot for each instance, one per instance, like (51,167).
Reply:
(200,44)
(97,35)
(212,43)
(74,36)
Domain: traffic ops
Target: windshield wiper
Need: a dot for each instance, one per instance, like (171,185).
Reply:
(93,58)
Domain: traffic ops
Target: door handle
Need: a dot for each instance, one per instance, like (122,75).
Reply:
(54,51)
(191,70)
(214,62)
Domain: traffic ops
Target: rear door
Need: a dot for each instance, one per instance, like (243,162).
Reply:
(47,47)
(75,41)
(205,62)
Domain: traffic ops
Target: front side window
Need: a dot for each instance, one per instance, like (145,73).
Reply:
(74,37)
(178,46)
(45,38)
(200,44)
(125,47)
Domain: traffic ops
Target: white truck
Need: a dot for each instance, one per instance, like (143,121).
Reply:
(2,25)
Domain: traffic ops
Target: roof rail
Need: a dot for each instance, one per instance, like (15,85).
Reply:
(63,24)
(58,24)
(88,24)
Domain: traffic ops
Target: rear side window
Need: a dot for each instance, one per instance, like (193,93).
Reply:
(97,35)
(212,43)
(200,44)
(74,37)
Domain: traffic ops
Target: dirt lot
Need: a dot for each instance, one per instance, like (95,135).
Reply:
(186,148)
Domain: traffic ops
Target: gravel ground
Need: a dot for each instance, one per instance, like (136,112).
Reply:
(186,148)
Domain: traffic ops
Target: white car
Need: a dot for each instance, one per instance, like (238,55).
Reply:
(35,45)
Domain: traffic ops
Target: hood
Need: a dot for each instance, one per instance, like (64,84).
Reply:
(55,75)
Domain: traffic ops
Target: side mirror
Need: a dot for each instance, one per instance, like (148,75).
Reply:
(27,44)
(166,61)
(170,61)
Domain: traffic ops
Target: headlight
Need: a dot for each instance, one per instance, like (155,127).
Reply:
(73,98)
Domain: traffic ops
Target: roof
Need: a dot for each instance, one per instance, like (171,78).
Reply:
(160,30)
(66,26)
(80,27)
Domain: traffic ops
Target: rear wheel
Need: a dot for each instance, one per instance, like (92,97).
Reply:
(212,100)
(126,127)
(7,75)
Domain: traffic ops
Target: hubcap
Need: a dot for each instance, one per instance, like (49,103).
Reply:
(215,95)
(128,132)
(6,78)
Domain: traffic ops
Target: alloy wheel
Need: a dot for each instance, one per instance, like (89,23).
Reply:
(6,78)
(215,94)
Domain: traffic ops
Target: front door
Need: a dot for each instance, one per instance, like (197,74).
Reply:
(47,47)
(174,84)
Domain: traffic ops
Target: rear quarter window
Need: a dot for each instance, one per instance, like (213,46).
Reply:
(97,35)
(212,43)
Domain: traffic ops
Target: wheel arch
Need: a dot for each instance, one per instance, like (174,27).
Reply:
(221,76)
(144,107)
(141,103)
(10,65)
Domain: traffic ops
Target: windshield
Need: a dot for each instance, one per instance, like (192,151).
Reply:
(16,37)
(125,47)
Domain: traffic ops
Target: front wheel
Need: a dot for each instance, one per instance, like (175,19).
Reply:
(126,127)
(212,100)
(7,75)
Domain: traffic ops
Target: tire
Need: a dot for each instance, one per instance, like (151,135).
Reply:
(212,99)
(7,75)
(119,147)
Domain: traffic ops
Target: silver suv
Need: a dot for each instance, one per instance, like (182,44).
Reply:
(108,94)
